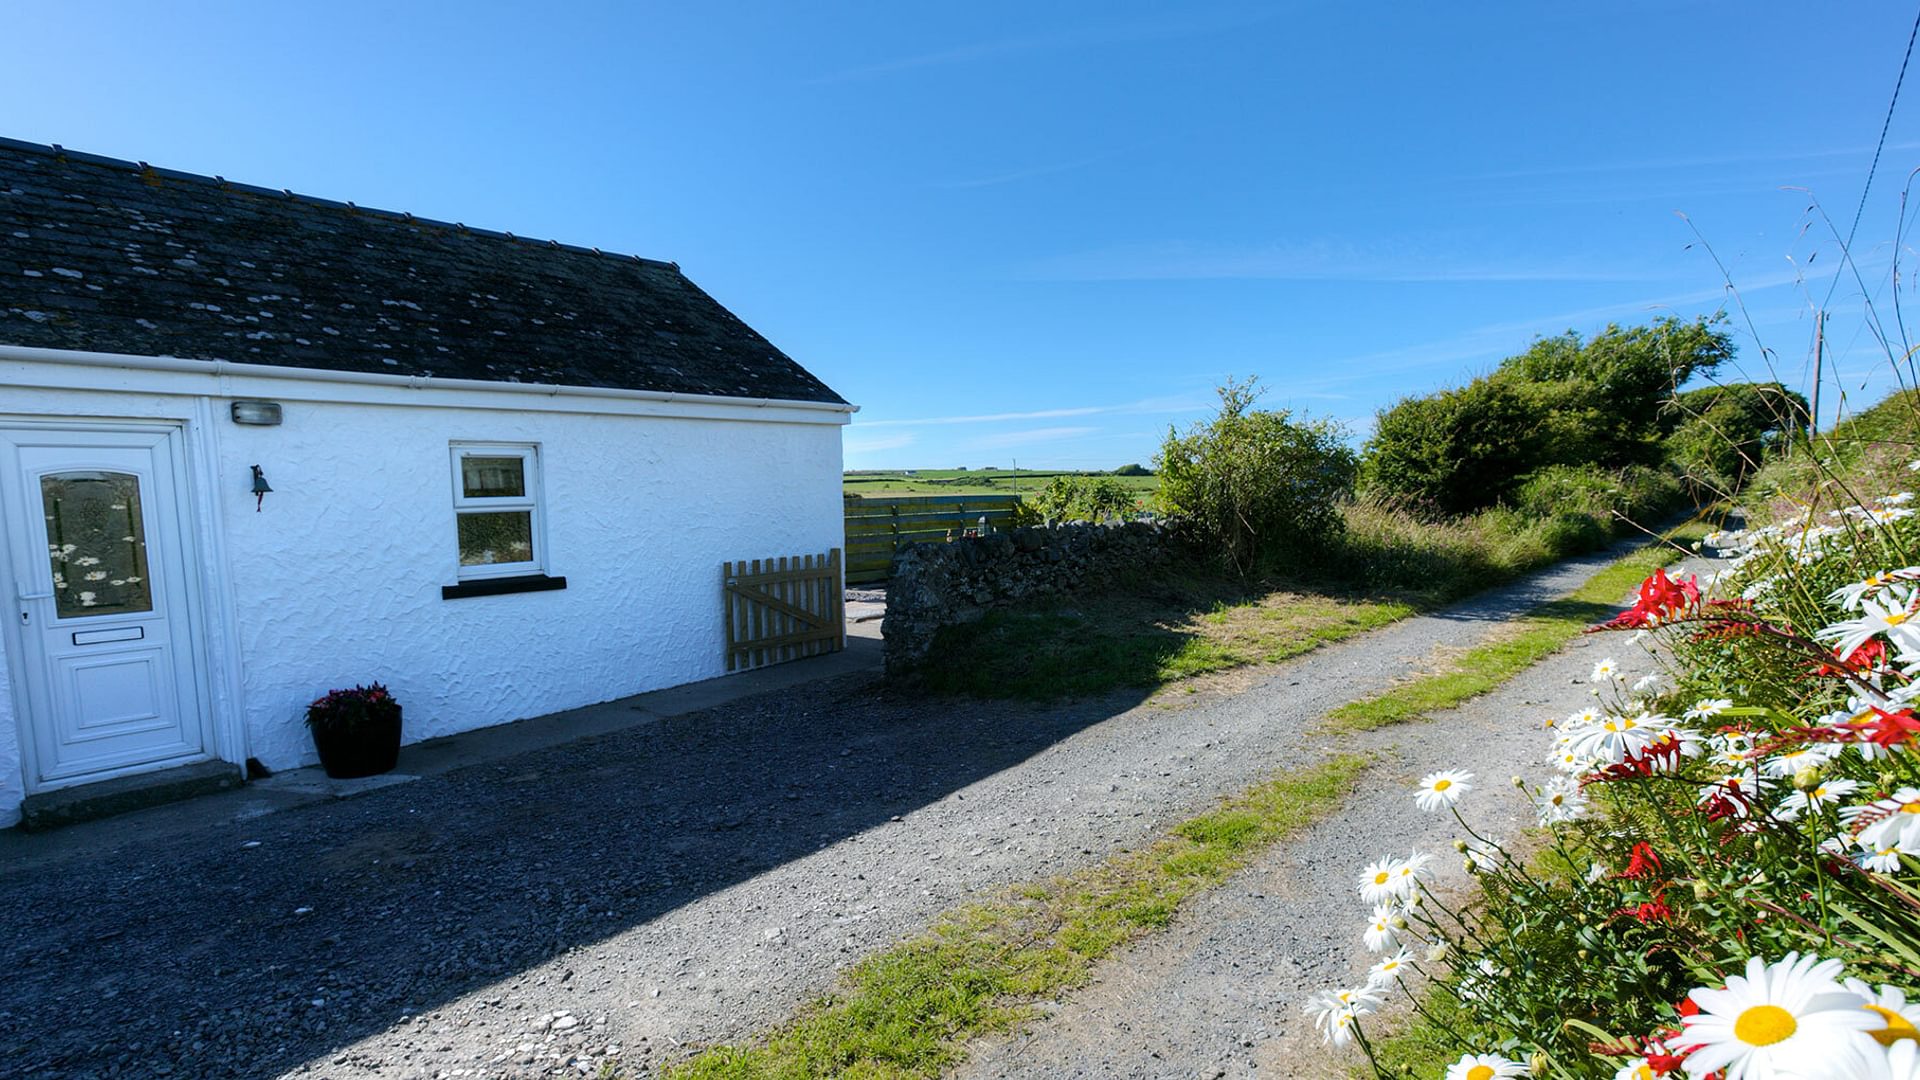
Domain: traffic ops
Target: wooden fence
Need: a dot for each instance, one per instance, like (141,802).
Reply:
(876,528)
(783,609)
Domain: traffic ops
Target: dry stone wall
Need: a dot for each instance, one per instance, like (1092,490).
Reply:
(936,585)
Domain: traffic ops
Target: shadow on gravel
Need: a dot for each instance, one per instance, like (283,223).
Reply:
(203,957)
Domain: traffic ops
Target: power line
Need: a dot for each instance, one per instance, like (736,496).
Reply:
(1885,126)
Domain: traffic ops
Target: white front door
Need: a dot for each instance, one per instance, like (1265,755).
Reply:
(104,616)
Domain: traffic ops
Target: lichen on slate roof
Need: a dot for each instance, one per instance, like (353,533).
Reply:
(116,256)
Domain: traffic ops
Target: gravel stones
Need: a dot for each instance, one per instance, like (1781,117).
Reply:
(625,880)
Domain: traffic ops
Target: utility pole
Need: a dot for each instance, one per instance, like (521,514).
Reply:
(1819,354)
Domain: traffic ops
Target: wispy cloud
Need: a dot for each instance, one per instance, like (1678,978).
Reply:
(1495,340)
(1006,439)
(857,443)
(1155,29)
(1314,261)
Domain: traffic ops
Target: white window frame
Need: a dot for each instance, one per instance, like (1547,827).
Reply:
(531,502)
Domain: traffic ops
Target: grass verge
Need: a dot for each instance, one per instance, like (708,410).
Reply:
(1146,637)
(905,1012)
(1535,637)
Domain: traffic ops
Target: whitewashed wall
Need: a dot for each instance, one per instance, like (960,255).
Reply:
(336,580)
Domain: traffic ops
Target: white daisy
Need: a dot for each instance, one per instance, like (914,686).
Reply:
(1805,756)
(1884,860)
(1388,971)
(1561,800)
(1615,738)
(1651,683)
(1890,616)
(1901,1063)
(1708,707)
(1380,881)
(1896,822)
(1849,596)
(1825,793)
(1788,1017)
(1899,1019)
(1443,789)
(1380,934)
(1484,1067)
(1334,1012)
(1605,671)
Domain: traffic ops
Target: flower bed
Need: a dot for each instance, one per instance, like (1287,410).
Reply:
(1729,880)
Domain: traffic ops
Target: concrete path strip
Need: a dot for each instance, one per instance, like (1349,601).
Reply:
(637,894)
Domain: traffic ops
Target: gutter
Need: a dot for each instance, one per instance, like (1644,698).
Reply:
(222,369)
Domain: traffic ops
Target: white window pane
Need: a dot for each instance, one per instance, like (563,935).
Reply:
(493,477)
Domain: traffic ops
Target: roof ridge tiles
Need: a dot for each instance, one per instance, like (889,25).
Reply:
(221,183)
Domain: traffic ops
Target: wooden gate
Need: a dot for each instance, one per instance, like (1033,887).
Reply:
(783,609)
(879,527)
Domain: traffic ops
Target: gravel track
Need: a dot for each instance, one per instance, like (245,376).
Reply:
(1222,992)
(634,895)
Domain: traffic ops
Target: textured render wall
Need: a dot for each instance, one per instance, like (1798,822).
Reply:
(337,578)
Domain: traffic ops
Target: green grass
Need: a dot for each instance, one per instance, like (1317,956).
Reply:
(1175,629)
(907,1011)
(1540,634)
(878,483)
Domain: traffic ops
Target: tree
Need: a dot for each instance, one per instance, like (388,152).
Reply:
(1455,451)
(1260,486)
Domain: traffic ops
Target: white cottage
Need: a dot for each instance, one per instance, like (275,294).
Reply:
(503,472)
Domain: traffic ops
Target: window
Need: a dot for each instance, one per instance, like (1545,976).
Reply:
(496,508)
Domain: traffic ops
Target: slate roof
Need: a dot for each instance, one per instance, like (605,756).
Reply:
(116,256)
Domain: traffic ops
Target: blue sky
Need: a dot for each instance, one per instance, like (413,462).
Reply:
(1043,232)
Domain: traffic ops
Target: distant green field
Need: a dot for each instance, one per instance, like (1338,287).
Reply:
(970,481)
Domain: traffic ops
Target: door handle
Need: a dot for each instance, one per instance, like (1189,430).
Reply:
(23,598)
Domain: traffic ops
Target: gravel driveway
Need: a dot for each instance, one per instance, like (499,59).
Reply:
(1220,994)
(635,894)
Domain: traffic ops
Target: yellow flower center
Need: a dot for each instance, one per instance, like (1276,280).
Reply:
(1911,808)
(1897,618)
(1642,1072)
(1764,1025)
(1381,878)
(1442,785)
(1480,1072)
(1898,1027)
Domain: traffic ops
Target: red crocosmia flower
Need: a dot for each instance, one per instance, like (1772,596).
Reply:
(1863,659)
(1888,729)
(1661,600)
(1643,862)
(1651,911)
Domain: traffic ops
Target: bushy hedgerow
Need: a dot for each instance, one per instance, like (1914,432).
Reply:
(1455,451)
(1084,498)
(1564,401)
(1721,435)
(1261,487)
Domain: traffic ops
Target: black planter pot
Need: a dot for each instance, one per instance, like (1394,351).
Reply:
(366,749)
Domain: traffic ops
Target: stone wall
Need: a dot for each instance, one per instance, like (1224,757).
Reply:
(936,585)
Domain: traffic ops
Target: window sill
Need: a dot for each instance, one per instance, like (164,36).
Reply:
(501,586)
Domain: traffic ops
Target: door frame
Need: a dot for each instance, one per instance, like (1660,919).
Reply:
(206,633)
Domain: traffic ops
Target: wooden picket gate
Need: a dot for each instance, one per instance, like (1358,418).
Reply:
(783,609)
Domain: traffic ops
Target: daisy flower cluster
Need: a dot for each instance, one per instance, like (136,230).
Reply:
(1725,879)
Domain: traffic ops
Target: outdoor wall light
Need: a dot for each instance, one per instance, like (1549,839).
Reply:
(260,487)
(256,413)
